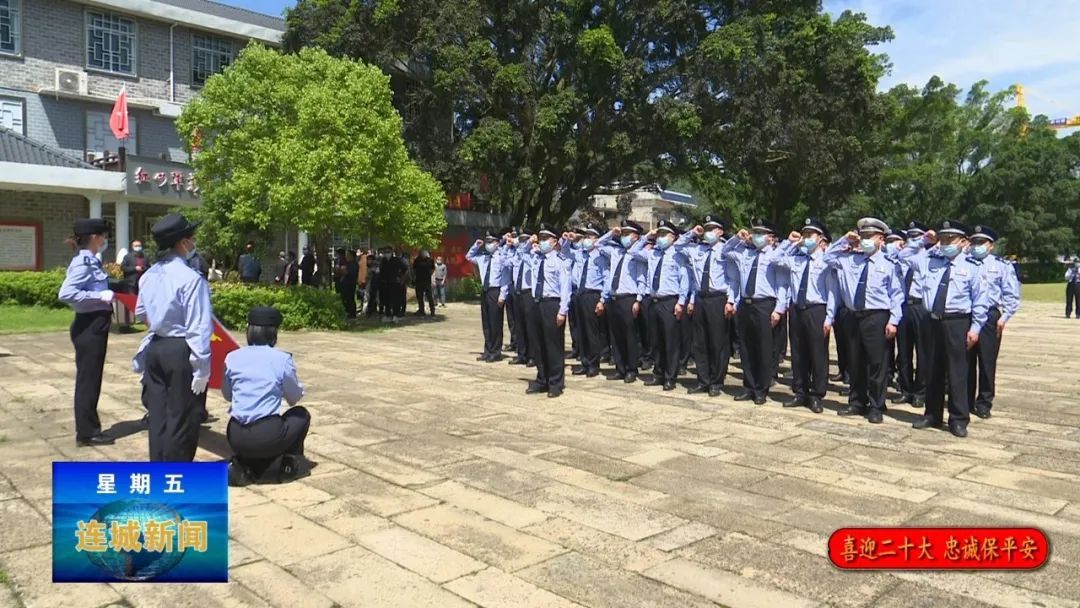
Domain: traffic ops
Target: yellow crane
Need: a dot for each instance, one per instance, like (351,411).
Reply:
(1055,123)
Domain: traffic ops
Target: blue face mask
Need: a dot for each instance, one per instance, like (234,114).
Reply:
(759,240)
(950,250)
(980,251)
(915,241)
(626,241)
(809,244)
(892,247)
(868,245)
(490,247)
(545,246)
(711,238)
(587,244)
(663,242)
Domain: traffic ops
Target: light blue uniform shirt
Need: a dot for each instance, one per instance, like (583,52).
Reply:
(673,268)
(966,292)
(597,268)
(556,280)
(519,259)
(256,379)
(821,287)
(1003,288)
(497,278)
(884,285)
(84,283)
(772,280)
(174,302)
(696,254)
(632,273)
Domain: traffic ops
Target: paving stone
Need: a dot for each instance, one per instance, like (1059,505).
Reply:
(719,495)
(908,594)
(22,526)
(681,536)
(610,468)
(723,587)
(372,493)
(608,548)
(29,571)
(265,528)
(1066,487)
(493,588)
(501,478)
(654,457)
(389,469)
(507,512)
(420,554)
(622,518)
(986,590)
(278,587)
(346,518)
(601,485)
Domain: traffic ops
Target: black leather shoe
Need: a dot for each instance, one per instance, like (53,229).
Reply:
(851,410)
(654,381)
(794,402)
(615,376)
(874,416)
(555,392)
(815,405)
(759,400)
(239,475)
(99,439)
(144,423)
(630,378)
(494,358)
(744,396)
(982,412)
(530,363)
(919,402)
(715,391)
(694,390)
(592,373)
(905,398)
(844,392)
(535,388)
(516,361)
(669,386)
(577,371)
(958,428)
(926,422)
(482,358)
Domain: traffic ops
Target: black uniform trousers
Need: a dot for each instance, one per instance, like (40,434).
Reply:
(779,341)
(348,298)
(843,347)
(983,365)
(623,327)
(866,351)
(809,351)
(948,361)
(910,349)
(260,444)
(711,342)
(511,319)
(686,340)
(522,302)
(572,321)
(549,344)
(666,338)
(173,408)
(591,340)
(644,331)
(491,315)
(1072,295)
(424,292)
(90,336)
(756,337)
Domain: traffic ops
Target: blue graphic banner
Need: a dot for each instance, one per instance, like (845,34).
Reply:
(160,522)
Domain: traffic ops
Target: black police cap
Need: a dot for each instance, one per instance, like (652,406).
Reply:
(265,316)
(713,221)
(954,227)
(818,226)
(984,232)
(631,225)
(90,225)
(594,229)
(546,230)
(760,223)
(665,225)
(171,228)
(490,236)
(917,227)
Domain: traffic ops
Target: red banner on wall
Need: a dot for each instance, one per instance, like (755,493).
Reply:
(938,548)
(221,342)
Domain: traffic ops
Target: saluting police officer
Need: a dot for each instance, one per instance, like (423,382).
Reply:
(895,240)
(911,338)
(519,258)
(1003,291)
(813,303)
(509,236)
(494,287)
(708,307)
(268,446)
(669,287)
(86,291)
(870,285)
(623,291)
(761,300)
(551,293)
(590,271)
(174,358)
(958,302)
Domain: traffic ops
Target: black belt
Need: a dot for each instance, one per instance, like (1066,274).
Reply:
(521,292)
(755,300)
(663,298)
(487,289)
(551,299)
(801,307)
(156,337)
(911,301)
(950,316)
(860,314)
(624,295)
(711,294)
(589,291)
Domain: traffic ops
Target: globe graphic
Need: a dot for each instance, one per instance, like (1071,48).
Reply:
(136,565)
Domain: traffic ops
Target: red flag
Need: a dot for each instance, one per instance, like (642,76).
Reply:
(118,122)
(221,343)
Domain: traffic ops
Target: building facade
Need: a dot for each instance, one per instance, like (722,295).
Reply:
(62,64)
(647,205)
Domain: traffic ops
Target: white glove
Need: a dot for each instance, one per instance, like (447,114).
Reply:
(107,296)
(198,385)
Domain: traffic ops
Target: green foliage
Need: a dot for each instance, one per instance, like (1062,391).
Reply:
(308,141)
(301,307)
(32,288)
(465,289)
(18,319)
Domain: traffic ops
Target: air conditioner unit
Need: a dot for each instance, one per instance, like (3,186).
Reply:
(71,81)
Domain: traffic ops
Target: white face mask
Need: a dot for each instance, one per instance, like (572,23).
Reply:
(104,246)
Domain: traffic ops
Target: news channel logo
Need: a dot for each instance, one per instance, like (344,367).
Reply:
(160,522)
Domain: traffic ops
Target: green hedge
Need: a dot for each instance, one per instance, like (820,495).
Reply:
(465,289)
(32,288)
(1042,272)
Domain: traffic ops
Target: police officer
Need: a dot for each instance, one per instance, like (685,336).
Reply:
(761,301)
(488,257)
(1003,291)
(708,306)
(668,282)
(509,235)
(1072,289)
(268,445)
(954,293)
(911,366)
(622,296)
(174,358)
(813,302)
(519,258)
(551,294)
(86,290)
(569,244)
(870,285)
(591,269)
(895,240)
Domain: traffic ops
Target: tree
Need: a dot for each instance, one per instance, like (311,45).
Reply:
(542,103)
(310,141)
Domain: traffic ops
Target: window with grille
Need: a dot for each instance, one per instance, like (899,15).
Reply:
(10,26)
(110,43)
(99,137)
(11,115)
(210,55)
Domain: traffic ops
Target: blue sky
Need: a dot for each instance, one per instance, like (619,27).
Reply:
(1032,42)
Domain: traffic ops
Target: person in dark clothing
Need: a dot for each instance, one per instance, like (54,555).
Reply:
(374,265)
(423,268)
(347,283)
(291,273)
(249,265)
(134,265)
(339,268)
(391,278)
(307,268)
(403,285)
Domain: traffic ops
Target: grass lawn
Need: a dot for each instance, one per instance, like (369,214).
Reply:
(1042,292)
(16,319)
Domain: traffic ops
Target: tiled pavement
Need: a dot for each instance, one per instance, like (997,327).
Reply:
(442,484)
